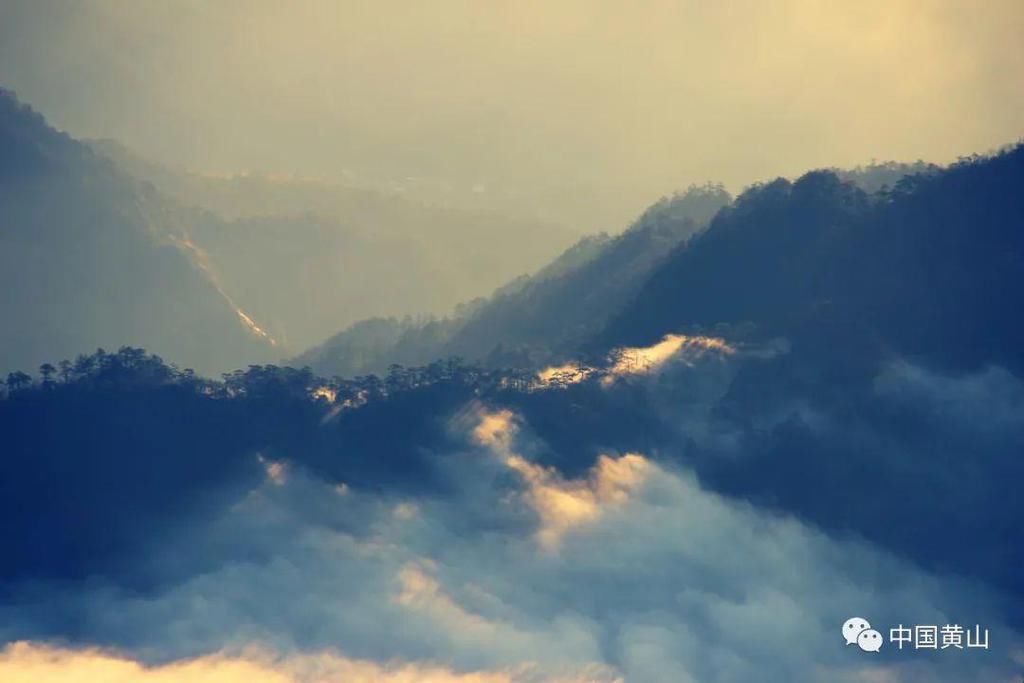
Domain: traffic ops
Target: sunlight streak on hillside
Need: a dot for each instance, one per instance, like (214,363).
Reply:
(201,261)
(568,373)
(646,359)
(640,360)
(325,393)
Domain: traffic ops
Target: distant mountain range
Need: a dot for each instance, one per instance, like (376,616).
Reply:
(929,268)
(103,248)
(218,272)
(536,319)
(762,264)
(90,257)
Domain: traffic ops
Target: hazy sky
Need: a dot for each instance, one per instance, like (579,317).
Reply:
(634,97)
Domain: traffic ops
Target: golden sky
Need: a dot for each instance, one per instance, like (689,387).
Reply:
(636,98)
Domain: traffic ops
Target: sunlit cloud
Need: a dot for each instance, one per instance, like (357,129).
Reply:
(567,504)
(324,393)
(421,591)
(405,511)
(561,504)
(24,662)
(276,470)
(568,373)
(639,360)
(495,429)
(631,570)
(687,349)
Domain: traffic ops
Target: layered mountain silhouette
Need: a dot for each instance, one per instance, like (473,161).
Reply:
(829,246)
(89,257)
(309,257)
(102,247)
(842,351)
(929,268)
(537,319)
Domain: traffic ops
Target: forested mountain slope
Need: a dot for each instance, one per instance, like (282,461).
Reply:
(931,267)
(532,320)
(309,257)
(89,257)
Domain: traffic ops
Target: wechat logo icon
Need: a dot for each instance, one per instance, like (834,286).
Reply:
(857,631)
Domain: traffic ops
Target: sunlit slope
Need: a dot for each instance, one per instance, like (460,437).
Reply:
(930,267)
(87,259)
(890,258)
(531,321)
(309,256)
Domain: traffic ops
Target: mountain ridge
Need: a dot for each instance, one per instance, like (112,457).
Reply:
(87,256)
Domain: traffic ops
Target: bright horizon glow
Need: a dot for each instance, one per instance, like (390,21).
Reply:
(584,112)
(26,662)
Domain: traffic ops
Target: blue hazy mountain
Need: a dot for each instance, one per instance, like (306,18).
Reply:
(215,272)
(309,257)
(533,319)
(562,309)
(929,268)
(91,258)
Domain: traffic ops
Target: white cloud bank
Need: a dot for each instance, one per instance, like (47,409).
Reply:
(633,572)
